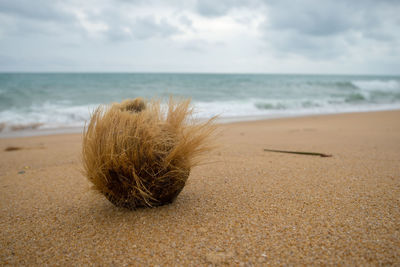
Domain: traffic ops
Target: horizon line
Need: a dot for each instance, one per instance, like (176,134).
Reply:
(189,73)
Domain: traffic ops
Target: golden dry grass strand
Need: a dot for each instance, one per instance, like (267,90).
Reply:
(137,155)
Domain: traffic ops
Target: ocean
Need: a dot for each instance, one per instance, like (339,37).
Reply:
(33,103)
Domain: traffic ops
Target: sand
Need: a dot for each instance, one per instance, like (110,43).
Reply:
(244,207)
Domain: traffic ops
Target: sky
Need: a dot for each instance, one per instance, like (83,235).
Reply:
(207,36)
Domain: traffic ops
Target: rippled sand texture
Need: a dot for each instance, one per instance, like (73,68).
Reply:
(245,207)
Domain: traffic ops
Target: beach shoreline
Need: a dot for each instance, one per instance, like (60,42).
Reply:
(219,120)
(243,207)
(44,103)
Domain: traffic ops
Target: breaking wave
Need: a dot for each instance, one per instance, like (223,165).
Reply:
(46,101)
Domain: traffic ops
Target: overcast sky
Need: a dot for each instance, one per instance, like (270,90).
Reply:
(261,36)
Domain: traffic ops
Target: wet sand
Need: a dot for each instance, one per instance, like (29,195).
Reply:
(244,207)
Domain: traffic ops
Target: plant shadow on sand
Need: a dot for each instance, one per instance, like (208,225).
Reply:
(186,212)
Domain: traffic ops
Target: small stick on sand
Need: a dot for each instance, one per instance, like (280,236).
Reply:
(299,153)
(12,148)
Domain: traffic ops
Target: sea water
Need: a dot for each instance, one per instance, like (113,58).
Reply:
(64,100)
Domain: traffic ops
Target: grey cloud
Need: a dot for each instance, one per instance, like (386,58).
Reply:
(313,21)
(147,27)
(313,17)
(139,28)
(132,1)
(313,29)
(313,47)
(201,46)
(379,35)
(323,30)
(197,46)
(38,9)
(212,8)
(185,21)
(49,17)
(24,18)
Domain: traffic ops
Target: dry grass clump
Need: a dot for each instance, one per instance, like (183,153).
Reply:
(138,156)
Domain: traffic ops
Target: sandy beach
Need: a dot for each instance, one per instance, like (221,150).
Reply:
(243,207)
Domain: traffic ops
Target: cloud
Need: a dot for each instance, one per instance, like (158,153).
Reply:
(147,27)
(128,23)
(38,10)
(311,17)
(212,8)
(123,29)
(326,30)
(22,17)
(162,33)
(197,46)
(184,20)
(201,46)
(101,21)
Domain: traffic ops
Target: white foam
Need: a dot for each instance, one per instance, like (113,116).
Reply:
(377,85)
(58,116)
(254,107)
(225,109)
(248,108)
(48,115)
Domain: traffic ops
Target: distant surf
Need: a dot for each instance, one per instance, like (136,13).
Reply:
(42,102)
